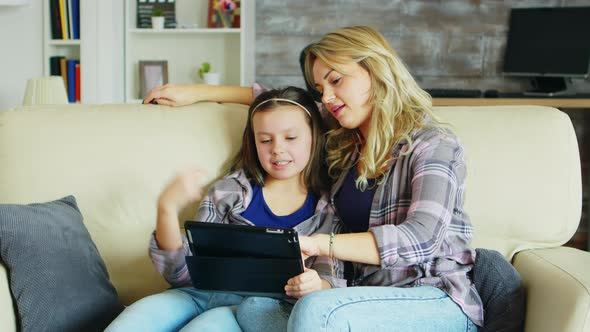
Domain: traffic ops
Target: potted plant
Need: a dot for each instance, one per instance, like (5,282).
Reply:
(210,78)
(158,19)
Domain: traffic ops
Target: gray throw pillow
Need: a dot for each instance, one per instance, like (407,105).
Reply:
(501,291)
(57,278)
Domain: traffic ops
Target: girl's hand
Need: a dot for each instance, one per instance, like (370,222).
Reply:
(185,188)
(173,95)
(305,283)
(309,246)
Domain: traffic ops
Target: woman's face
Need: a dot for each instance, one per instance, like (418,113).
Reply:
(345,96)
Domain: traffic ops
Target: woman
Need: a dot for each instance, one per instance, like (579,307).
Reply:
(403,175)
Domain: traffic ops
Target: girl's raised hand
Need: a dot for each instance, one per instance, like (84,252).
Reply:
(305,283)
(185,188)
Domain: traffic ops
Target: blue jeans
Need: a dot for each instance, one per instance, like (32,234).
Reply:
(357,309)
(180,309)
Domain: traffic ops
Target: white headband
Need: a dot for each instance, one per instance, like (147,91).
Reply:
(281,99)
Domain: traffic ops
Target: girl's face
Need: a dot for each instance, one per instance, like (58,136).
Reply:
(345,96)
(283,141)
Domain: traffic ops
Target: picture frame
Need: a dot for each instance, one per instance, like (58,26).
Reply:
(219,18)
(152,74)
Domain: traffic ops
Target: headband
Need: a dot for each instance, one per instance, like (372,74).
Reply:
(281,99)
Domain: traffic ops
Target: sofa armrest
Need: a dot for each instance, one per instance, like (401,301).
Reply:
(557,283)
(7,312)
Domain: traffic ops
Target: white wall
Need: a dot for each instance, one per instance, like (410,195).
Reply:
(21,50)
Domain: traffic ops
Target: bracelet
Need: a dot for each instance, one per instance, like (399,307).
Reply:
(331,252)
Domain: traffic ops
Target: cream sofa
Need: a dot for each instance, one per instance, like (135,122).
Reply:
(523,188)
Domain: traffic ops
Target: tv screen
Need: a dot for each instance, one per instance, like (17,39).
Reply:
(548,42)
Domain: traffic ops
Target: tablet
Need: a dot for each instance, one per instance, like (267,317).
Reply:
(241,259)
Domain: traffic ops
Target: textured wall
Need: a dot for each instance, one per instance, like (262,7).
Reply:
(455,44)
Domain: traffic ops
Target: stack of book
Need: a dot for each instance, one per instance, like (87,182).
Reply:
(69,70)
(65,19)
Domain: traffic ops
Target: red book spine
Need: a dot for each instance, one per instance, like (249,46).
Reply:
(78,94)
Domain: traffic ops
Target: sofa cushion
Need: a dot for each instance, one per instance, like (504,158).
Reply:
(57,277)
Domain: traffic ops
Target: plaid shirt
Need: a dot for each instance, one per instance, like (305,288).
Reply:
(226,199)
(417,218)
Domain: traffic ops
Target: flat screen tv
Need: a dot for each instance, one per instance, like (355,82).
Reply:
(550,45)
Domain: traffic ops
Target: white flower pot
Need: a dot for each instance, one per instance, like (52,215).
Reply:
(158,22)
(212,78)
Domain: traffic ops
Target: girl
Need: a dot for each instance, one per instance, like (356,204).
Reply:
(275,182)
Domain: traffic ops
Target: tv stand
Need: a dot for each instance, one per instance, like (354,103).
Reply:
(550,86)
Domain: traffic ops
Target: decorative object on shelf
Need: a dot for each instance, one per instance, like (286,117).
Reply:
(145,8)
(158,19)
(210,78)
(224,14)
(152,74)
(45,90)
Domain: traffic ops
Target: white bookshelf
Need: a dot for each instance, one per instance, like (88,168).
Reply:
(97,49)
(228,50)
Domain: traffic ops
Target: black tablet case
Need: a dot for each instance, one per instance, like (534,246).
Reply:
(246,260)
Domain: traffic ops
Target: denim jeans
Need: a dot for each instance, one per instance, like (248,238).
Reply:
(180,309)
(357,309)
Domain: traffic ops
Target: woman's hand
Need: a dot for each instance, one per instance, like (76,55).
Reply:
(307,282)
(309,246)
(174,95)
(184,189)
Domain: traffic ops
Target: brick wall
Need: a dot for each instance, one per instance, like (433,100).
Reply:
(446,44)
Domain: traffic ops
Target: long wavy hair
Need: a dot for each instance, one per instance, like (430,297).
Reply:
(315,175)
(400,106)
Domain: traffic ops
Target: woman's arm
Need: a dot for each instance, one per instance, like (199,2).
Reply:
(185,94)
(353,247)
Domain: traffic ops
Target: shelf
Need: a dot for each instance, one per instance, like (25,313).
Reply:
(230,51)
(178,31)
(552,102)
(64,42)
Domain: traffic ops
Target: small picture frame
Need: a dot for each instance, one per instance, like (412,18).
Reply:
(223,14)
(151,74)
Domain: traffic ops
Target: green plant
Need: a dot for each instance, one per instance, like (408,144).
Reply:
(205,68)
(157,12)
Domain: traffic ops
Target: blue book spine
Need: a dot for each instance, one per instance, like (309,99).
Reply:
(71,68)
(76,18)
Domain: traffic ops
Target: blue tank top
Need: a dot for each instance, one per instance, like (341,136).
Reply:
(353,205)
(260,214)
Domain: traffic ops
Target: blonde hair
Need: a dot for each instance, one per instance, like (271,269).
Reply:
(400,106)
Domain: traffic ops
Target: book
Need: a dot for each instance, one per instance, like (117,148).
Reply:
(62,19)
(55,65)
(55,19)
(64,71)
(71,69)
(70,20)
(78,83)
(76,18)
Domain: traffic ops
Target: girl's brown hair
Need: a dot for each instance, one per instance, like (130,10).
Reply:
(315,172)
